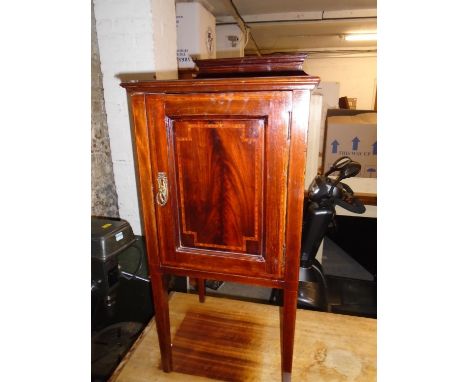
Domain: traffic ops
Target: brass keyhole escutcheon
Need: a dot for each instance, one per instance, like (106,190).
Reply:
(161,197)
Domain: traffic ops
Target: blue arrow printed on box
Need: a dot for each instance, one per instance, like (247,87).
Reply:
(355,143)
(334,146)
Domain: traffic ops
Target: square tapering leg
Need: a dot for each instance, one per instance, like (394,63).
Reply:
(288,325)
(201,289)
(163,327)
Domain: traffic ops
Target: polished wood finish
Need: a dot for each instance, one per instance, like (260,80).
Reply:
(223,172)
(249,280)
(187,73)
(296,172)
(215,85)
(239,341)
(160,297)
(228,179)
(229,154)
(201,289)
(288,325)
(275,64)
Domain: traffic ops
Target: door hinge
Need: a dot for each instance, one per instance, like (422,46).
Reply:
(289,125)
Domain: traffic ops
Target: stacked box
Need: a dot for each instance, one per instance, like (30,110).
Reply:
(353,136)
(196,34)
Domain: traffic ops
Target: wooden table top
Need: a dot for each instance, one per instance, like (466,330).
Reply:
(230,340)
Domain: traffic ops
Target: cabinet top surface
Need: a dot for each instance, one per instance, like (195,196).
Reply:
(223,84)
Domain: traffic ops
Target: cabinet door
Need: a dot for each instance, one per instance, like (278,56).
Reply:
(221,159)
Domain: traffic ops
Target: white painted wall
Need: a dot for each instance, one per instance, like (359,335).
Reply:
(125,37)
(316,111)
(165,39)
(356,76)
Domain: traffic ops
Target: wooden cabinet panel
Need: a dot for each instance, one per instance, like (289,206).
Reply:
(219,167)
(225,161)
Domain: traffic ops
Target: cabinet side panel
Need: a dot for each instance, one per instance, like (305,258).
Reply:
(145,178)
(161,165)
(296,173)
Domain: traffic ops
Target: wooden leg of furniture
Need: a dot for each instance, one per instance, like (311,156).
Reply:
(161,305)
(201,289)
(288,324)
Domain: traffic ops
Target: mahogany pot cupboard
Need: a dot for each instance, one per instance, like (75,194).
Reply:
(221,165)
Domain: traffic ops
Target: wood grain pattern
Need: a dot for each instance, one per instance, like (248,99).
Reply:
(208,343)
(144,173)
(252,132)
(287,329)
(328,347)
(295,200)
(296,174)
(160,297)
(251,65)
(232,156)
(201,288)
(267,280)
(219,173)
(224,85)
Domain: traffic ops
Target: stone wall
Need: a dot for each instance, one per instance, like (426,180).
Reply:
(103,192)
(126,50)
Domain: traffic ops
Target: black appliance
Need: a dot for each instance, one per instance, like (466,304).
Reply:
(109,237)
(121,302)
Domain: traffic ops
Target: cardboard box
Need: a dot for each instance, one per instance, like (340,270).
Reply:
(229,41)
(196,34)
(353,136)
